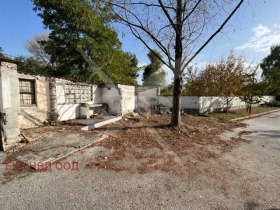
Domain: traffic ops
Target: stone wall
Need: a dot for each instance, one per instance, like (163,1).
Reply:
(35,115)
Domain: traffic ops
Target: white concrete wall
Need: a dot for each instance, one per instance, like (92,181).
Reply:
(165,101)
(210,104)
(128,98)
(188,102)
(215,103)
(67,111)
(96,94)
(268,98)
(9,103)
(146,97)
(111,96)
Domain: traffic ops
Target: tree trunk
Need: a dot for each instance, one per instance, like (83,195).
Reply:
(176,110)
(177,89)
(250,109)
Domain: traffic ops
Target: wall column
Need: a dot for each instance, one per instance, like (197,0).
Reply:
(53,102)
(9,103)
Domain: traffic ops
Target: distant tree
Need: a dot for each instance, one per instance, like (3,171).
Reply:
(223,78)
(82,45)
(40,61)
(153,75)
(190,74)
(271,69)
(31,65)
(188,77)
(252,90)
(156,79)
(37,49)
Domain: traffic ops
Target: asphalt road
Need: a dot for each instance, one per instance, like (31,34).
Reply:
(248,177)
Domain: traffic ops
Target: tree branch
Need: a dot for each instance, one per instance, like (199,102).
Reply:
(213,35)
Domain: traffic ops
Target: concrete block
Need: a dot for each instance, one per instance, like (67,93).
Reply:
(102,123)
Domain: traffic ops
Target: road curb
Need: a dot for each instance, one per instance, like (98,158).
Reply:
(254,115)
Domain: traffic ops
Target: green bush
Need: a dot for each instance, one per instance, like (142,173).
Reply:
(166,92)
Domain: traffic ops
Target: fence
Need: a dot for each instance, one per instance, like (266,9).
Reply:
(149,96)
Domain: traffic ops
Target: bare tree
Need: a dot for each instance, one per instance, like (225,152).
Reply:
(36,48)
(178,29)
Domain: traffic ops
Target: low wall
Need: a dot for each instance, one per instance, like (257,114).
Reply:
(190,104)
(147,96)
(196,104)
(216,103)
(268,98)
(212,104)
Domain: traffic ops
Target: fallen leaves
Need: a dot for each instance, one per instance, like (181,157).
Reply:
(154,145)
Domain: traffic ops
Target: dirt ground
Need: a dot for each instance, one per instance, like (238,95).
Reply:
(146,164)
(141,145)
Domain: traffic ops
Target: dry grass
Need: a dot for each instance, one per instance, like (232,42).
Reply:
(225,117)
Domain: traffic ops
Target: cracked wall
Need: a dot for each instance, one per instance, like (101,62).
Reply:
(9,104)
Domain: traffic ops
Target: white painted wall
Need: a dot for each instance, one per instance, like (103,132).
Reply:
(68,111)
(60,93)
(211,104)
(128,98)
(146,97)
(208,104)
(111,96)
(72,111)
(188,102)
(9,102)
(166,101)
(215,103)
(96,94)
(268,98)
(65,111)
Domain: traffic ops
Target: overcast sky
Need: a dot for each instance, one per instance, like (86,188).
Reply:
(251,32)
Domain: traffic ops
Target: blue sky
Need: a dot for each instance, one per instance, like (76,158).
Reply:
(251,32)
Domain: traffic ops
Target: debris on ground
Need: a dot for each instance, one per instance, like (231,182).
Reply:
(145,145)
(160,109)
(141,145)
